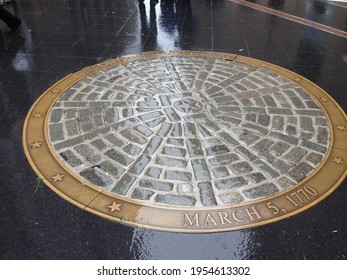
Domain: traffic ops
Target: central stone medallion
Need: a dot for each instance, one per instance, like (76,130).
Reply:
(188,105)
(180,131)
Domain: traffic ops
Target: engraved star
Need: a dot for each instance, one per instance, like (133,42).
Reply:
(56,90)
(341,127)
(297,79)
(38,115)
(114,207)
(263,65)
(58,177)
(323,99)
(36,145)
(338,160)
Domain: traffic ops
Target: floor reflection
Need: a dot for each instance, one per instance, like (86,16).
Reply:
(147,244)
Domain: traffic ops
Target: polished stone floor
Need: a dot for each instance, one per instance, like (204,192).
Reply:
(58,38)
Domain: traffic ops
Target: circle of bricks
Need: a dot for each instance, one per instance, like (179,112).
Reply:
(188,141)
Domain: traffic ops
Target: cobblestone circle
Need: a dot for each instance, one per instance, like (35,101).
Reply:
(189,131)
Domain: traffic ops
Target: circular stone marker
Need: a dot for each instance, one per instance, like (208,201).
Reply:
(188,141)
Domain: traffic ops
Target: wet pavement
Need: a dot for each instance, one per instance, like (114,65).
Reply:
(58,38)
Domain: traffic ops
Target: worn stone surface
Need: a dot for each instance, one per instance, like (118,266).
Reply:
(189,131)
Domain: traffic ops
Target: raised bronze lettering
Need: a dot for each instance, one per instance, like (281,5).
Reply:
(254,212)
(223,216)
(236,218)
(191,221)
(209,219)
(299,197)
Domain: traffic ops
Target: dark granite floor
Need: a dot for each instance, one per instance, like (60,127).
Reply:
(59,37)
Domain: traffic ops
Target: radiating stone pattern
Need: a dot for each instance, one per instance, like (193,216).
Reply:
(189,131)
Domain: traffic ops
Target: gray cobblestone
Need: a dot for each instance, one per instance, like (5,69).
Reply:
(142,194)
(175,141)
(280,111)
(172,199)
(228,121)
(189,130)
(176,130)
(206,194)
(266,168)
(84,115)
(220,172)
(134,136)
(291,130)
(156,185)
(255,129)
(164,129)
(132,149)
(300,171)
(70,114)
(286,138)
(295,154)
(306,124)
(112,168)
(231,198)
(203,131)
(261,191)
(282,166)
(264,120)
(178,175)
(201,170)
(228,139)
(154,172)
(123,186)
(111,116)
(269,101)
(279,148)
(277,123)
(322,135)
(239,168)
(156,122)
(229,109)
(153,145)
(143,130)
(263,145)
(139,165)
(119,157)
(56,132)
(248,138)
(284,182)
(174,151)
(313,146)
(86,127)
(255,178)
(165,101)
(113,139)
(217,150)
(98,121)
(321,121)
(96,177)
(251,117)
(226,184)
(223,159)
(70,158)
(56,115)
(69,143)
(72,127)
(310,112)
(242,151)
(88,153)
(171,162)
(314,158)
(127,113)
